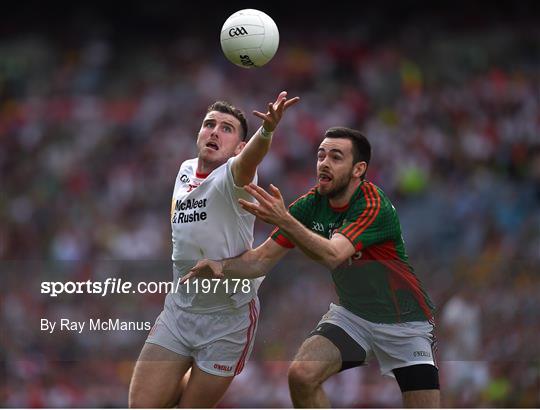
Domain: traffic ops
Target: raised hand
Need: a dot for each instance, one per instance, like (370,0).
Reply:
(270,209)
(275,111)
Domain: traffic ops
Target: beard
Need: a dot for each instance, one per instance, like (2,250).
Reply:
(340,187)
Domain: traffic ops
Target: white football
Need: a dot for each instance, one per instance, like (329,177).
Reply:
(249,38)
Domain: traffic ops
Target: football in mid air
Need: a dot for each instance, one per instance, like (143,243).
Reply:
(249,38)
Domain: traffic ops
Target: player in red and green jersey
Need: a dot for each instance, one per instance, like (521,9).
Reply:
(376,283)
(347,224)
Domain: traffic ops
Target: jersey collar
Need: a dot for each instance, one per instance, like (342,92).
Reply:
(340,208)
(200,175)
(353,197)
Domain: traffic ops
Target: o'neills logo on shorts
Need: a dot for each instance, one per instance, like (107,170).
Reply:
(180,216)
(421,353)
(222,367)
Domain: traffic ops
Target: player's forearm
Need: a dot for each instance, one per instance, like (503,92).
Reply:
(314,246)
(251,264)
(250,157)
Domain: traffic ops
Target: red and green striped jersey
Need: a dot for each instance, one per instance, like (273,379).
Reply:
(377,283)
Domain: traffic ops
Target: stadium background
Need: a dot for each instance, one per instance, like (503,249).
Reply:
(100,104)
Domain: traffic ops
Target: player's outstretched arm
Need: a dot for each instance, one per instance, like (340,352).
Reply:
(271,209)
(251,264)
(245,164)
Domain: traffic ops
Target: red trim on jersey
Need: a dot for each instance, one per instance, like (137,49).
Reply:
(364,221)
(201,175)
(283,241)
(401,276)
(253,316)
(362,227)
(339,208)
(362,215)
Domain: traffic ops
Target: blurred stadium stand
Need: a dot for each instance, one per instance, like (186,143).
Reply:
(99,106)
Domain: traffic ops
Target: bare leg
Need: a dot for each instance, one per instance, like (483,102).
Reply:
(422,399)
(317,360)
(204,390)
(156,379)
(183,385)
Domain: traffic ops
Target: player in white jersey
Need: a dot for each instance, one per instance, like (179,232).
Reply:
(207,328)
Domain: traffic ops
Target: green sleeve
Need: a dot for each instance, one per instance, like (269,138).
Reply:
(300,209)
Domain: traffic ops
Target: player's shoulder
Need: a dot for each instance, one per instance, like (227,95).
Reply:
(189,165)
(307,198)
(370,186)
(228,165)
(370,194)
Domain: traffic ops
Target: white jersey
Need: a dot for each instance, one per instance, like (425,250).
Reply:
(208,222)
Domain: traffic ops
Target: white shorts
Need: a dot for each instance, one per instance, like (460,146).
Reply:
(220,343)
(394,345)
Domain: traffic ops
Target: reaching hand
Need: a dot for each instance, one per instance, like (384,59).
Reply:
(270,208)
(275,111)
(205,267)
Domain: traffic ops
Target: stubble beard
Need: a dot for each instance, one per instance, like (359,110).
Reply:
(341,187)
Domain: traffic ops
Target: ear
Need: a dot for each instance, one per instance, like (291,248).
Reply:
(239,148)
(359,169)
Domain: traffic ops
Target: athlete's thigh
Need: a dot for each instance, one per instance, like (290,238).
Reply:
(156,378)
(318,356)
(222,357)
(204,390)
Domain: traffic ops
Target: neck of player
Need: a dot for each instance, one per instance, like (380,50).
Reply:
(341,200)
(206,167)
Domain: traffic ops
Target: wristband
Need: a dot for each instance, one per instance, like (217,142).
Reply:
(265,134)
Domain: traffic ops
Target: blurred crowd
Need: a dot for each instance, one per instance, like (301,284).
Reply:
(91,138)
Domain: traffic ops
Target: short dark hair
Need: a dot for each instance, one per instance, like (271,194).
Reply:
(227,108)
(361,146)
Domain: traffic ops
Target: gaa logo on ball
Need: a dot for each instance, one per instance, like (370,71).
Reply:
(237,31)
(249,38)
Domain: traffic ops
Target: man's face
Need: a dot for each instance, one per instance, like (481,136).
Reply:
(219,138)
(334,166)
